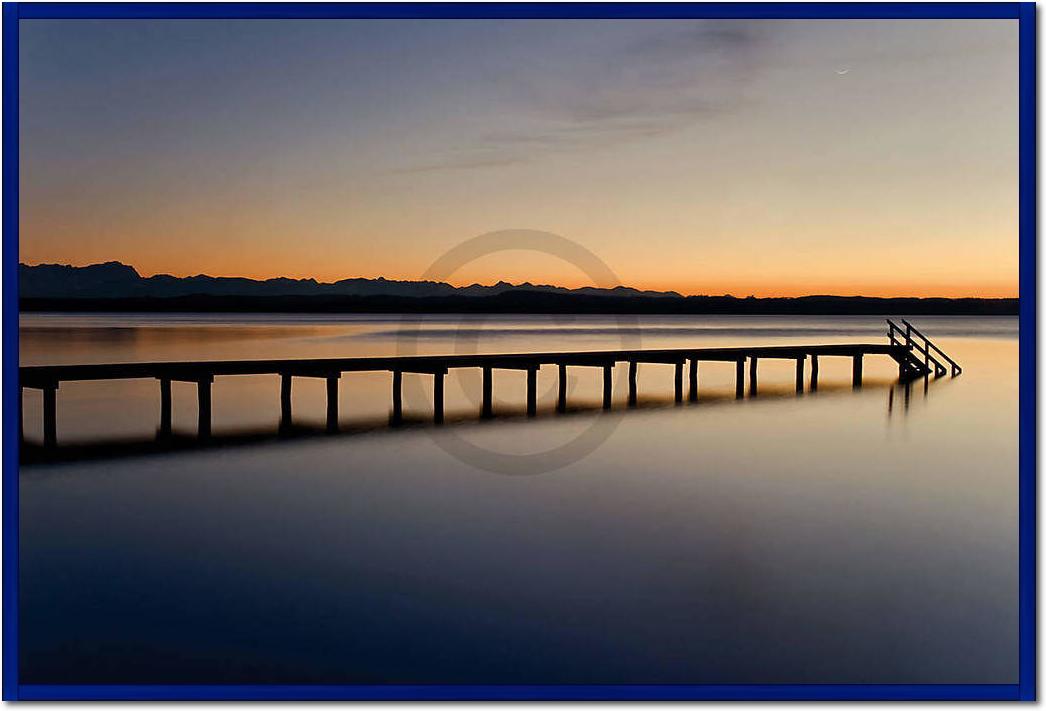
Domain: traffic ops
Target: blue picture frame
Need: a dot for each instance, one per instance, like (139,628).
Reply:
(1023,13)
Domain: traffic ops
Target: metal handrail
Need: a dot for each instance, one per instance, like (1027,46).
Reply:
(924,347)
(932,345)
(912,343)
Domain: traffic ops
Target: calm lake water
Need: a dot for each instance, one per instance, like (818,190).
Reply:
(840,536)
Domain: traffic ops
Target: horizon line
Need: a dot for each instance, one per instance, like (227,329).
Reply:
(462,285)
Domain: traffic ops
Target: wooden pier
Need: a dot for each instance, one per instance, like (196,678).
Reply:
(915,356)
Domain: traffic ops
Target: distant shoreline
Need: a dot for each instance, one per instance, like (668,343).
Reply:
(534,302)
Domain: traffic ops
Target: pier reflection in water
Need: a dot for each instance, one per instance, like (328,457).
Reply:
(781,538)
(169,442)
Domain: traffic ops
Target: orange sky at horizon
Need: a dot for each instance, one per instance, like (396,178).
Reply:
(571,280)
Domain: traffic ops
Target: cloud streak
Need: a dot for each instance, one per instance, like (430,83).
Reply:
(624,91)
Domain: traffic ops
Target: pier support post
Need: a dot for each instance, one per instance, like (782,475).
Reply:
(800,364)
(633,383)
(858,371)
(50,392)
(739,380)
(397,397)
(532,392)
(693,380)
(679,382)
(813,373)
(165,407)
(285,400)
(753,378)
(488,388)
(332,402)
(437,397)
(203,392)
(607,385)
(561,402)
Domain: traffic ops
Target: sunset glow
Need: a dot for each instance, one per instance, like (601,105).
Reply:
(704,157)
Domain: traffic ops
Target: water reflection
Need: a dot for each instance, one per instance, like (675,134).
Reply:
(164,442)
(774,539)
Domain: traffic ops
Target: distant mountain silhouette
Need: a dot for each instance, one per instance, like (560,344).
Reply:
(114,286)
(115,280)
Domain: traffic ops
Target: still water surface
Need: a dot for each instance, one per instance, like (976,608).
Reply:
(840,536)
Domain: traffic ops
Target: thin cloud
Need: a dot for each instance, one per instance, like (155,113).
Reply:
(644,88)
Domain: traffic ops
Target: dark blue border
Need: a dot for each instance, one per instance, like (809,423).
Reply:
(565,692)
(1024,12)
(11,392)
(755,10)
(1028,350)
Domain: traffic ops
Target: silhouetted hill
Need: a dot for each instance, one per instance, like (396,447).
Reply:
(113,280)
(117,287)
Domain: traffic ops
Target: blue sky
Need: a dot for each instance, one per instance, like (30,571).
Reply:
(704,156)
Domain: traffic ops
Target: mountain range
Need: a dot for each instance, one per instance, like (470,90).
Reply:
(115,280)
(114,286)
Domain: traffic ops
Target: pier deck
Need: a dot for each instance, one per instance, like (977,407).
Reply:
(912,361)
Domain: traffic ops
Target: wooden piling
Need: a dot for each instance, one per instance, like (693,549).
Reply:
(50,393)
(397,397)
(800,364)
(753,377)
(165,407)
(693,380)
(488,388)
(285,400)
(813,373)
(739,379)
(332,402)
(437,397)
(203,392)
(607,386)
(679,382)
(633,383)
(858,373)
(532,392)
(561,401)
